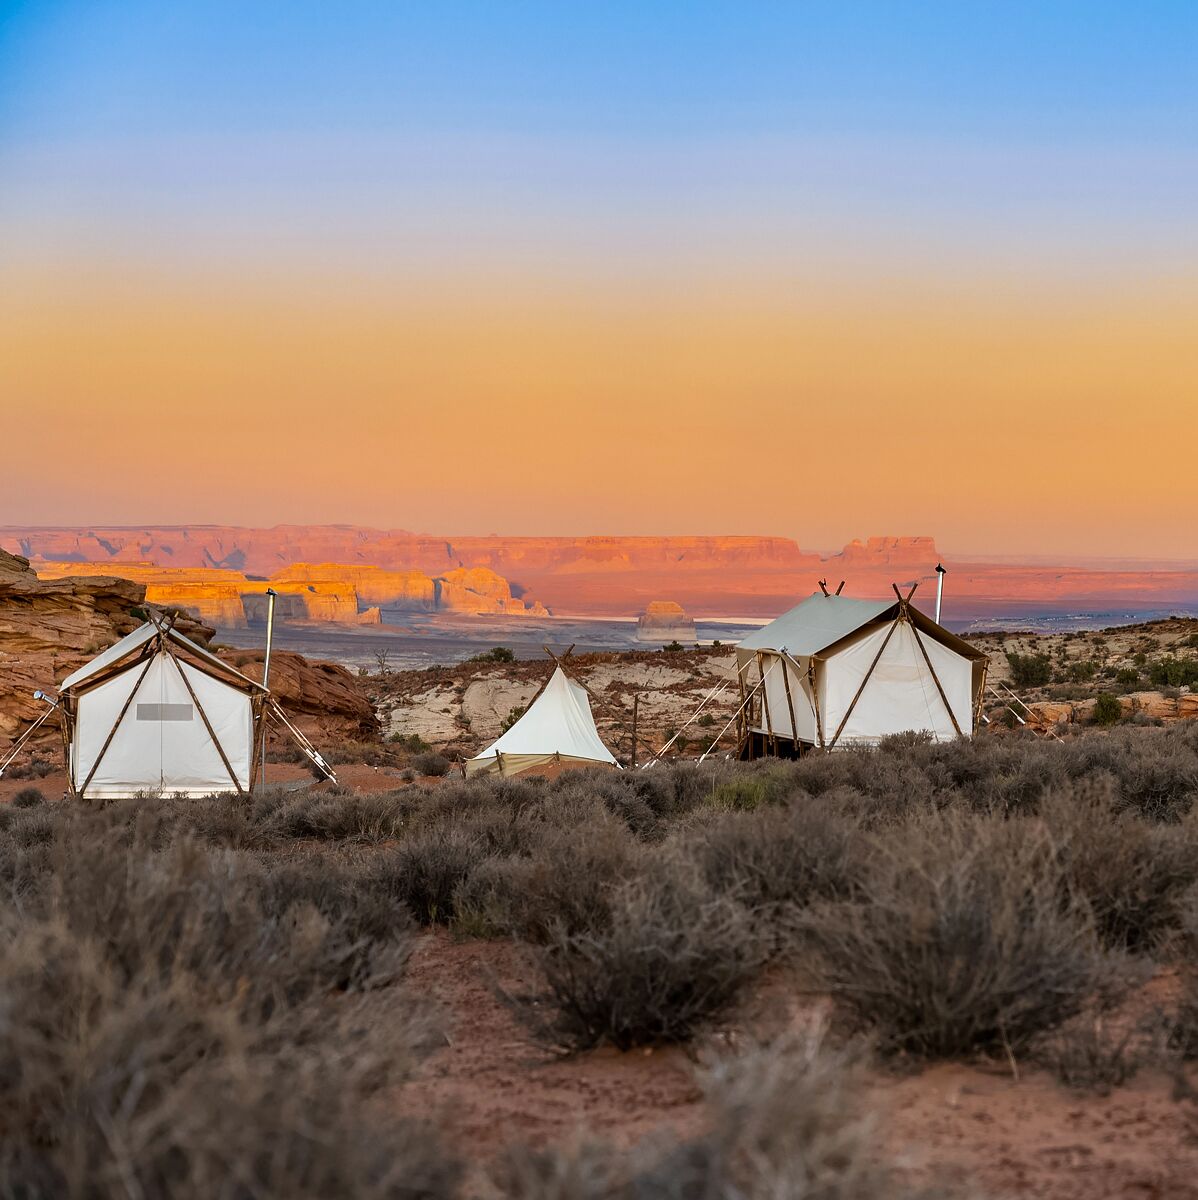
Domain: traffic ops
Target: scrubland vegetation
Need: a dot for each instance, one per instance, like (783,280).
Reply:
(208,998)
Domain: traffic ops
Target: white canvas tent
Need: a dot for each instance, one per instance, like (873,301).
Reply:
(835,672)
(157,712)
(557,728)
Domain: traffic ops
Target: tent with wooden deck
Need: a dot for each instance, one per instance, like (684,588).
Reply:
(156,712)
(836,672)
(558,728)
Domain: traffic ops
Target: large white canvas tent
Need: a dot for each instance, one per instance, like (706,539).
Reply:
(557,728)
(157,712)
(835,672)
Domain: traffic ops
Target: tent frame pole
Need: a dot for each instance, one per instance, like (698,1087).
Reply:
(952,716)
(848,712)
(790,704)
(765,704)
(819,716)
(981,698)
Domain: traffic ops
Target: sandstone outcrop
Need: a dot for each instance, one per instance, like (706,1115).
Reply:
(665,621)
(407,591)
(324,695)
(50,627)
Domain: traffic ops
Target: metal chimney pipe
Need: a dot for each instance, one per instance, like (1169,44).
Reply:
(270,637)
(941,572)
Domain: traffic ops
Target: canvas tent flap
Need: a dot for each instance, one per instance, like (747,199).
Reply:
(557,725)
(777,704)
(812,626)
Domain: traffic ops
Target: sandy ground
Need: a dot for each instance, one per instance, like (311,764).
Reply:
(979,1130)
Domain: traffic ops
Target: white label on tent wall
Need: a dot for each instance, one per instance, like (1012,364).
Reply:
(165,712)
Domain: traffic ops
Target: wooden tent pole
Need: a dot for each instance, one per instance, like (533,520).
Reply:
(636,702)
(790,704)
(952,716)
(116,725)
(868,675)
(765,703)
(977,707)
(819,717)
(207,724)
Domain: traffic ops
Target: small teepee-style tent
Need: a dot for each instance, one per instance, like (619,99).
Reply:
(557,728)
(836,672)
(157,712)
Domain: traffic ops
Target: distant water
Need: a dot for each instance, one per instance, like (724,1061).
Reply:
(417,641)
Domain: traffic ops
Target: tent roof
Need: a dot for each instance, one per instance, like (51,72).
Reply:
(559,721)
(132,642)
(815,624)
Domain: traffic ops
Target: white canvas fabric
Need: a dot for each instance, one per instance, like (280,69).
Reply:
(817,623)
(901,694)
(779,669)
(558,726)
(162,742)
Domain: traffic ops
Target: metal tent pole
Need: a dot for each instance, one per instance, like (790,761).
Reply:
(270,634)
(941,571)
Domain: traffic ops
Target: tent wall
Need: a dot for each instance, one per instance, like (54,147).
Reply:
(778,671)
(161,742)
(901,695)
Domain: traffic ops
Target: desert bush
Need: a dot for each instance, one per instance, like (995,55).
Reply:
(497,654)
(432,764)
(565,886)
(426,870)
(960,942)
(1107,709)
(1134,874)
(412,742)
(29,797)
(672,958)
(1174,672)
(1127,678)
(778,857)
(1029,670)
(168,1026)
(1095,1053)
(789,1121)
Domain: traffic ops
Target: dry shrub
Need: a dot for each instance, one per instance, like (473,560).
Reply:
(1097,1053)
(1134,873)
(672,956)
(788,1123)
(173,1024)
(780,856)
(29,797)
(426,870)
(960,940)
(565,885)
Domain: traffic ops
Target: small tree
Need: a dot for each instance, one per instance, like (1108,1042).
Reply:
(1030,670)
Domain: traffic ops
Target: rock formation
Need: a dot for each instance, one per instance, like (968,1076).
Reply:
(479,590)
(49,627)
(760,576)
(664,621)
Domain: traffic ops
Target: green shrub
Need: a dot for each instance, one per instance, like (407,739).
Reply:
(497,654)
(1107,709)
(1127,678)
(432,764)
(1030,670)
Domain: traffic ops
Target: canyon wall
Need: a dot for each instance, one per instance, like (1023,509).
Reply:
(600,576)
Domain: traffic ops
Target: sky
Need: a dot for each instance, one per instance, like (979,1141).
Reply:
(821,270)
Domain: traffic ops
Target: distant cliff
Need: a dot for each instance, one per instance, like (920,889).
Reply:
(337,571)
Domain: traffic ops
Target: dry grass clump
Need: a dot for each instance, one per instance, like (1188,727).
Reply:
(788,1123)
(182,1022)
(670,957)
(960,941)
